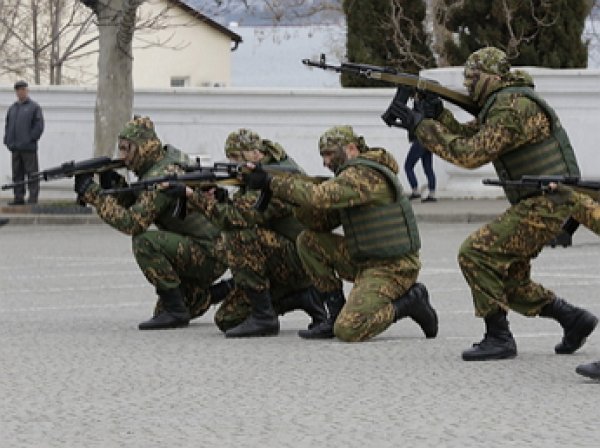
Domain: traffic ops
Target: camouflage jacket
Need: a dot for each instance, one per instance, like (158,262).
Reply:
(240,213)
(320,202)
(133,214)
(512,121)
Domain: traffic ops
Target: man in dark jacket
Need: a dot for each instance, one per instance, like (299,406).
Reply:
(23,129)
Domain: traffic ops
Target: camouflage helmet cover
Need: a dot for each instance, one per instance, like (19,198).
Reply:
(490,60)
(148,148)
(339,136)
(242,140)
(139,130)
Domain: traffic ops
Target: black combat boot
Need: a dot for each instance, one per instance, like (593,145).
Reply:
(173,314)
(497,343)
(577,324)
(334,302)
(218,291)
(262,321)
(591,370)
(415,304)
(307,300)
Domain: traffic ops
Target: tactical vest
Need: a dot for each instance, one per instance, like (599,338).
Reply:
(288,226)
(195,224)
(381,231)
(553,156)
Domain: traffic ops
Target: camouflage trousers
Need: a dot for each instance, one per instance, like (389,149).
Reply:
(495,260)
(259,259)
(368,310)
(170,260)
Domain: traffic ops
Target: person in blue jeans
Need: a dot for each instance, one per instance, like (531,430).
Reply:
(415,153)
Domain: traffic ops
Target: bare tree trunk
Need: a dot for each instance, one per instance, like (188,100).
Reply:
(114,98)
(440,33)
(36,51)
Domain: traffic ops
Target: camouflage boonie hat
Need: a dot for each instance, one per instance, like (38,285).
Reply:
(339,136)
(139,130)
(242,140)
(490,60)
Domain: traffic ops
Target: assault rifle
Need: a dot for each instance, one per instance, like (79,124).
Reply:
(197,176)
(194,176)
(70,169)
(393,76)
(589,187)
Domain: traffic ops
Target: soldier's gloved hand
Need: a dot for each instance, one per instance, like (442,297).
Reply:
(430,106)
(256,179)
(111,179)
(83,182)
(175,190)
(221,194)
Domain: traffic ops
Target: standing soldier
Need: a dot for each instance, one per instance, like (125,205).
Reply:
(260,248)
(379,248)
(180,258)
(520,134)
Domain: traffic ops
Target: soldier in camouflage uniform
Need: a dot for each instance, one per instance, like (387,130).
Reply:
(379,248)
(260,248)
(520,134)
(180,259)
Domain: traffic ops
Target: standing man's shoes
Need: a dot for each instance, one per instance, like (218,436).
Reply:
(17,202)
(3,221)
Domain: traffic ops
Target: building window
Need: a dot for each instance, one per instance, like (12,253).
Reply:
(180,81)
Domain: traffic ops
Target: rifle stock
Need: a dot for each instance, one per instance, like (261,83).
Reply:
(393,76)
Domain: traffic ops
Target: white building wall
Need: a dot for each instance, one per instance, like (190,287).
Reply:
(199,120)
(191,49)
(187,47)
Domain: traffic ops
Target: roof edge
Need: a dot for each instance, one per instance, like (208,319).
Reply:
(210,22)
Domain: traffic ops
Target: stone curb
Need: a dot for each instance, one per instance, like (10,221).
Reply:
(16,220)
(443,211)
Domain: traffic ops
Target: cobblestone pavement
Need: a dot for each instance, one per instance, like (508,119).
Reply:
(75,371)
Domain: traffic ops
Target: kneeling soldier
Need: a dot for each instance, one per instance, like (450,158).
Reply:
(180,258)
(379,248)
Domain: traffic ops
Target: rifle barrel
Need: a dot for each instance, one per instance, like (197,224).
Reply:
(391,75)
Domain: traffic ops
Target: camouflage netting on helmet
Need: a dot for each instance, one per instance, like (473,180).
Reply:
(139,130)
(337,137)
(149,149)
(490,60)
(247,140)
(241,140)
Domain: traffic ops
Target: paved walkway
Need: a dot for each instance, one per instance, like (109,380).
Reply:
(444,210)
(76,372)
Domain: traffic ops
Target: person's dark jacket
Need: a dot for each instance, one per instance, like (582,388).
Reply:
(24,126)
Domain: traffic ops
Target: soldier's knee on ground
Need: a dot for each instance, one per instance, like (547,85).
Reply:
(220,323)
(347,333)
(223,322)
